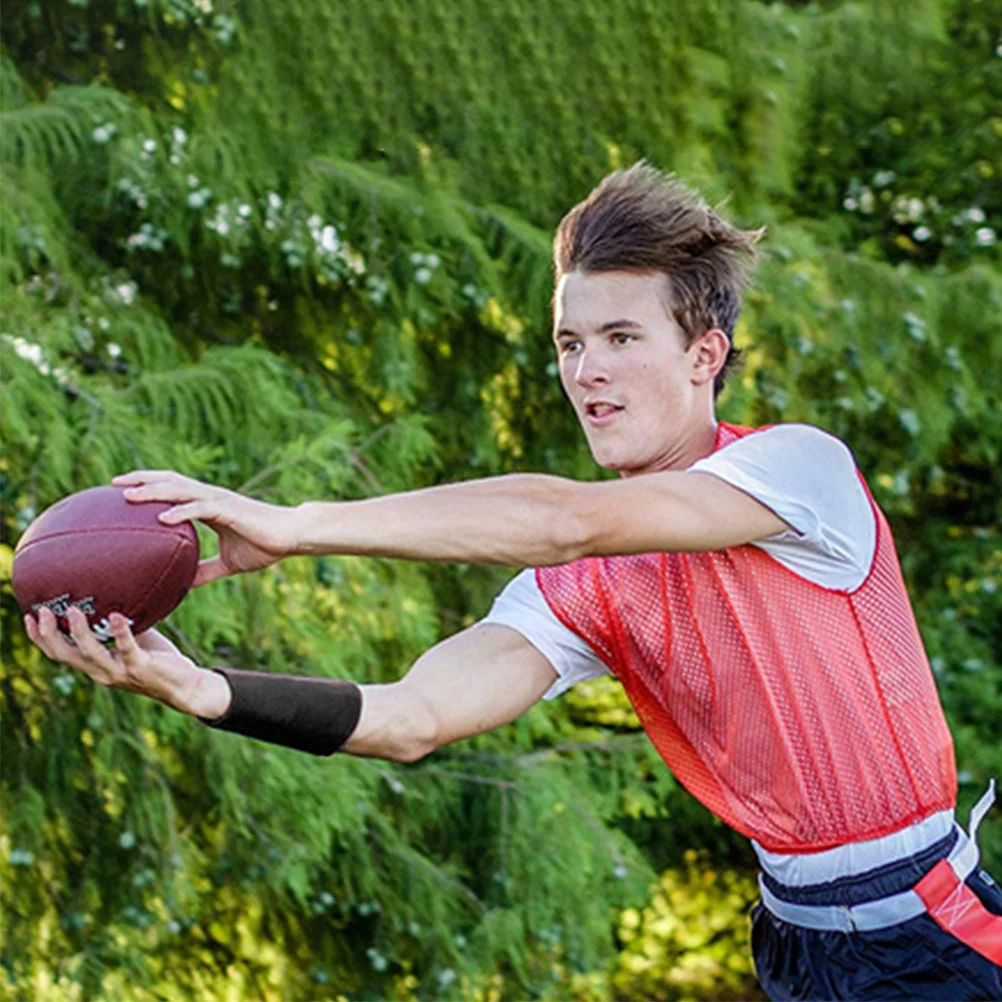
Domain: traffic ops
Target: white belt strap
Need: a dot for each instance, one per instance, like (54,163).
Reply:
(887,911)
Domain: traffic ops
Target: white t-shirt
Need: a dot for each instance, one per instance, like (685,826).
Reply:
(803,474)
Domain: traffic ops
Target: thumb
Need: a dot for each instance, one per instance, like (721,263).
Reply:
(209,570)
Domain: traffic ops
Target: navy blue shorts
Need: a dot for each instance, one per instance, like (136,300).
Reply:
(912,961)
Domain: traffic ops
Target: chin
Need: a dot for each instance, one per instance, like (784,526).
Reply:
(616,462)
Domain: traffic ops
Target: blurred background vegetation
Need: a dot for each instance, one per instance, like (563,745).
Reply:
(302,250)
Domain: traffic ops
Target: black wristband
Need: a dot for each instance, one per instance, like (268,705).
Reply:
(315,715)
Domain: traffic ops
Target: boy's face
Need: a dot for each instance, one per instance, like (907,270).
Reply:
(638,390)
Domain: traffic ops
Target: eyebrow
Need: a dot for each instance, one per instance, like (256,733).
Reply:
(611,325)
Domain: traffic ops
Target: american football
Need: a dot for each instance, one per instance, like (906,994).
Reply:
(97,551)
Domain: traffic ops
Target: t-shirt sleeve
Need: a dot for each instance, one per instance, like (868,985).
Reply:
(521,607)
(809,479)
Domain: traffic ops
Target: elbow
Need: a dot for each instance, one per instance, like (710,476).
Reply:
(574,532)
(410,750)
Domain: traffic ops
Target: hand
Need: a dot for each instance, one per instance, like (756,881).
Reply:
(148,664)
(252,534)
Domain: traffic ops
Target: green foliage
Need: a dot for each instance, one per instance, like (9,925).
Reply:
(302,250)
(692,940)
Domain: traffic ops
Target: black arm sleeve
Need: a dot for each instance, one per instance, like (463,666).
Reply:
(315,715)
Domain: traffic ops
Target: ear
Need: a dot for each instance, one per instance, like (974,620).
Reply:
(709,354)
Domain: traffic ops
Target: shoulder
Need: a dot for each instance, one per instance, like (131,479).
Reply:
(780,441)
(796,455)
(810,479)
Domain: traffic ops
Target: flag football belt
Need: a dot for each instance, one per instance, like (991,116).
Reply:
(941,893)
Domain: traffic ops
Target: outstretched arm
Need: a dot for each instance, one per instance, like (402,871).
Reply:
(477,680)
(472,682)
(520,520)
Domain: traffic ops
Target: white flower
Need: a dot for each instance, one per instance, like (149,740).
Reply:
(975,214)
(866,201)
(850,203)
(102,322)
(27,350)
(179,135)
(197,199)
(354,260)
(417,258)
(244,210)
(432,260)
(314,222)
(422,276)
(192,181)
(114,350)
(103,133)
(127,292)
(274,201)
(329,241)
(915,209)
(921,233)
(883,178)
(984,237)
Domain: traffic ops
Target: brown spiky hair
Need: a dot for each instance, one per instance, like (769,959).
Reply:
(643,220)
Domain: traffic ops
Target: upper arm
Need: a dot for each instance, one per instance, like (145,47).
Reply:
(671,511)
(479,679)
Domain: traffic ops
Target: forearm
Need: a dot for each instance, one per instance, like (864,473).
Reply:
(397,723)
(521,520)
(472,682)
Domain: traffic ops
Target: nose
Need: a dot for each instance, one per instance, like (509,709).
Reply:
(589,370)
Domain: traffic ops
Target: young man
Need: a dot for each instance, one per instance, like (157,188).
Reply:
(740,583)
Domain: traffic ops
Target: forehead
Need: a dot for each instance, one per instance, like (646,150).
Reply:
(586,300)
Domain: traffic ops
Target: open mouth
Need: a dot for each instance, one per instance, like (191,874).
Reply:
(601,412)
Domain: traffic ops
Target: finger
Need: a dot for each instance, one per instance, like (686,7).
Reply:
(93,657)
(209,570)
(141,476)
(125,643)
(204,511)
(165,490)
(53,641)
(34,633)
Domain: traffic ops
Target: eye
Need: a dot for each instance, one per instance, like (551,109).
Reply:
(567,345)
(621,337)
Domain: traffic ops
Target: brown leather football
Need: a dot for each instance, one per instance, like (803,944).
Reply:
(104,554)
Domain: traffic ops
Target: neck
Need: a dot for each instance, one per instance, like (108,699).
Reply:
(696,443)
